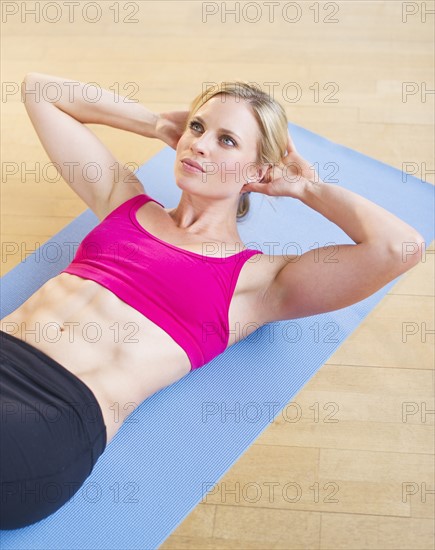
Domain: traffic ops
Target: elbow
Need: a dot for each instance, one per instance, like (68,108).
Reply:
(30,89)
(28,77)
(32,76)
(407,251)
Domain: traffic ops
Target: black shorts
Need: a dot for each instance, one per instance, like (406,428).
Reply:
(52,433)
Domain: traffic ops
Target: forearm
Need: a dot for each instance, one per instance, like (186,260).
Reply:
(361,219)
(77,100)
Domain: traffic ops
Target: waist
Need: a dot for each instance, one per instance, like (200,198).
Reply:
(114,350)
(87,328)
(50,380)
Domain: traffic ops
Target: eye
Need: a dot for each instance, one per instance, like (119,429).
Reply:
(191,125)
(231,139)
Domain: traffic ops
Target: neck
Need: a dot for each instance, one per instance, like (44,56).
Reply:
(206,218)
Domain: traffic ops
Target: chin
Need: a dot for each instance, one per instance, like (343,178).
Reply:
(182,182)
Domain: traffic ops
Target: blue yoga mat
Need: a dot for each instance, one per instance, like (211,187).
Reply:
(179,442)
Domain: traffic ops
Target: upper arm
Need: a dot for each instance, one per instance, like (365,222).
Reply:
(330,278)
(82,160)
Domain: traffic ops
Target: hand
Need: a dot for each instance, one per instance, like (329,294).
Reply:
(170,127)
(288,178)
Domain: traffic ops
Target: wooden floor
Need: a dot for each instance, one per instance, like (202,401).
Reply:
(348,477)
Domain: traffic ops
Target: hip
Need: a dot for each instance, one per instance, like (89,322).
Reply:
(52,433)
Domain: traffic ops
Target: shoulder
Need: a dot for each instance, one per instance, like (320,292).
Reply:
(120,194)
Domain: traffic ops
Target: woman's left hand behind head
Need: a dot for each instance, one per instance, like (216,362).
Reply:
(286,179)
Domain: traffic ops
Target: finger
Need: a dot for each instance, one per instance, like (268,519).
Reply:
(182,115)
(274,172)
(267,178)
(255,187)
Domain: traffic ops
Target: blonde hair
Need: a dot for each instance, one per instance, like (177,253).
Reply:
(271,119)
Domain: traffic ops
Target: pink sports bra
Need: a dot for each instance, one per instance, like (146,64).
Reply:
(188,295)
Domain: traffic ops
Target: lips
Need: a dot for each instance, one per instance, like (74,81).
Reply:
(193,163)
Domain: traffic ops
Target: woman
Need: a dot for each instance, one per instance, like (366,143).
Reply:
(153,293)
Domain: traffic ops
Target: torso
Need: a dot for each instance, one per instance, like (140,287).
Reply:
(116,351)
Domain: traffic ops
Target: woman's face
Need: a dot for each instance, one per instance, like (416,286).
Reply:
(222,138)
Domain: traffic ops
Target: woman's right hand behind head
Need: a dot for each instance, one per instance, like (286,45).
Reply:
(170,127)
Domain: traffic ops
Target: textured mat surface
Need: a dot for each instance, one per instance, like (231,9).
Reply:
(182,440)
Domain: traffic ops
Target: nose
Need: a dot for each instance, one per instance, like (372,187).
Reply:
(199,145)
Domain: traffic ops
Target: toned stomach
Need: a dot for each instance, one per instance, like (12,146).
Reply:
(122,356)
